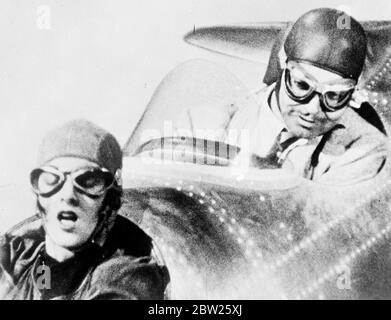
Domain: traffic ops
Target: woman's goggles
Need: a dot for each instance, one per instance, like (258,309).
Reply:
(301,87)
(46,181)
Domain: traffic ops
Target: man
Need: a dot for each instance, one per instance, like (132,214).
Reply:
(307,117)
(77,247)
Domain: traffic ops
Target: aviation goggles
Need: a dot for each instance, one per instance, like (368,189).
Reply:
(301,87)
(46,181)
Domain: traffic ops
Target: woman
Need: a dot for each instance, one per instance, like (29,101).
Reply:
(77,247)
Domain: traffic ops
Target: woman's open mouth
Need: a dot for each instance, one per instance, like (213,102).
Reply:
(67,219)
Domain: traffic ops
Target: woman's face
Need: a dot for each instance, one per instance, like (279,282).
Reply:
(70,216)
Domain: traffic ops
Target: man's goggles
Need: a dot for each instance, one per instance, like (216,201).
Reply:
(46,181)
(301,87)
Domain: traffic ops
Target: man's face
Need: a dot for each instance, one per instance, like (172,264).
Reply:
(70,216)
(309,119)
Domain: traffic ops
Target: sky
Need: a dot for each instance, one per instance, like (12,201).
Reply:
(102,60)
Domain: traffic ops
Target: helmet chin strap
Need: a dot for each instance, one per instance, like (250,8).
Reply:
(282,61)
(105,223)
(276,91)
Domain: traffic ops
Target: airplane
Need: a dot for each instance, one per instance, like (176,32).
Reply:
(230,225)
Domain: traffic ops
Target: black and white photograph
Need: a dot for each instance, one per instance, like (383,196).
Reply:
(195,150)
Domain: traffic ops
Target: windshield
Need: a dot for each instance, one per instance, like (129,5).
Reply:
(193,117)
